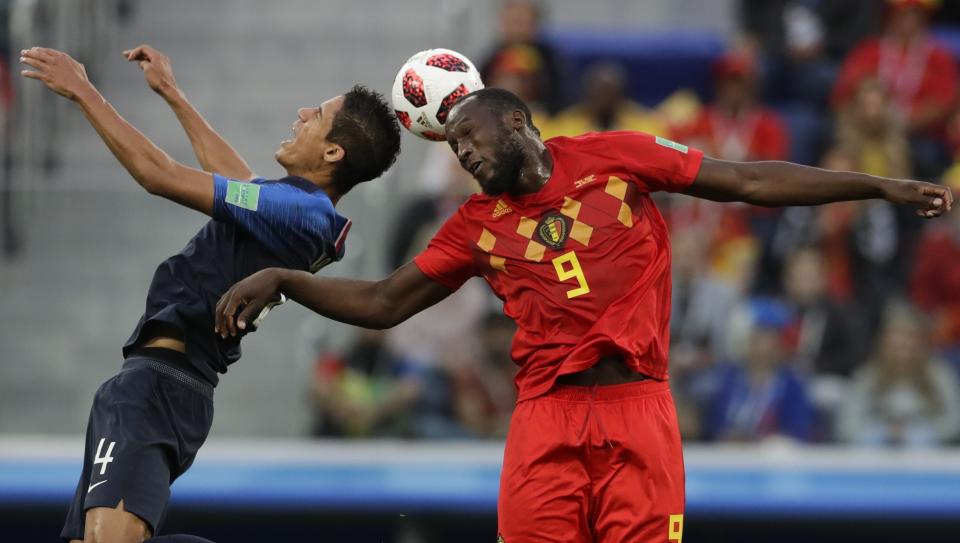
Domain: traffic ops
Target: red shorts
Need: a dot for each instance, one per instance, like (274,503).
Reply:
(598,464)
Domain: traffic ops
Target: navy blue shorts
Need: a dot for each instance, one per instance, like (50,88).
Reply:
(146,425)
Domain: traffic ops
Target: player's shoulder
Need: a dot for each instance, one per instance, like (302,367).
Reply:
(301,188)
(476,206)
(594,139)
(481,209)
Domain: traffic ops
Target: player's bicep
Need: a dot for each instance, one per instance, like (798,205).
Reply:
(719,180)
(408,291)
(189,187)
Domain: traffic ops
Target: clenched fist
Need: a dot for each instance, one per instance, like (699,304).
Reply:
(156,67)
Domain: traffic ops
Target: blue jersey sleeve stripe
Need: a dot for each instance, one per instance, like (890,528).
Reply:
(342,237)
(219,198)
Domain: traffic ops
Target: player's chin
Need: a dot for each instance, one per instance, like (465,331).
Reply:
(484,182)
(281,155)
(492,187)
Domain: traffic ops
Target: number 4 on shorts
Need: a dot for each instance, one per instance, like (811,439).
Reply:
(675,531)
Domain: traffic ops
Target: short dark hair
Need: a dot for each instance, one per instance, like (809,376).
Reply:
(369,133)
(502,101)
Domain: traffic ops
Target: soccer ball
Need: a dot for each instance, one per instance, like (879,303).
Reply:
(427,87)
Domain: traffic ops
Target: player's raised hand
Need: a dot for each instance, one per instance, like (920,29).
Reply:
(249,296)
(155,65)
(929,199)
(57,70)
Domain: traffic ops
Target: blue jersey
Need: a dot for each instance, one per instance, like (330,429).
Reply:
(287,223)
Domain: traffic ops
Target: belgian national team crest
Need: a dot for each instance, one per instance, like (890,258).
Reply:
(553,229)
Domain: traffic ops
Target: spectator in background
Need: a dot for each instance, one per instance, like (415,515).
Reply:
(605,106)
(919,73)
(821,337)
(364,392)
(935,284)
(471,394)
(903,397)
(819,333)
(869,243)
(519,69)
(801,43)
(481,385)
(735,126)
(871,134)
(520,27)
(761,396)
(701,303)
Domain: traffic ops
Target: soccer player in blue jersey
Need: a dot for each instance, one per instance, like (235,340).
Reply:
(148,421)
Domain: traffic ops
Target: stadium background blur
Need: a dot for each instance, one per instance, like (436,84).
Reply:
(814,352)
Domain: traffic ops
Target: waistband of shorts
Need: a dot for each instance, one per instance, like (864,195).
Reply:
(172,364)
(607,393)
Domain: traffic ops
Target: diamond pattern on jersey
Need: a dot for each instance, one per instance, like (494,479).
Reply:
(579,232)
(487,242)
(617,188)
(535,250)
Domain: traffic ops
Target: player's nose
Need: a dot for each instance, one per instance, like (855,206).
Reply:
(303,113)
(464,152)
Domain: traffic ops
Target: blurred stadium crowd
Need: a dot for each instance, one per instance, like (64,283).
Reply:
(832,324)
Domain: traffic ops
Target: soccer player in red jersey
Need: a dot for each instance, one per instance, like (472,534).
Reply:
(566,234)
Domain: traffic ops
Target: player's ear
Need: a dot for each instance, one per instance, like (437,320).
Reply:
(333,153)
(518,120)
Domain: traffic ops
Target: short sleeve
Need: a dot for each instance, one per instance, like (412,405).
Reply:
(296,225)
(654,163)
(447,258)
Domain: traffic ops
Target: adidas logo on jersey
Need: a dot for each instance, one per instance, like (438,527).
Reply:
(501,209)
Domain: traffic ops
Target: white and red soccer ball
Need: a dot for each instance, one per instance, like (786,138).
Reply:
(427,87)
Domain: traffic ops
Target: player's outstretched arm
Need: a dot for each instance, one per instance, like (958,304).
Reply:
(152,168)
(370,304)
(213,152)
(788,184)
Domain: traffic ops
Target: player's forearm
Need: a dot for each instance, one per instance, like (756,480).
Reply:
(213,152)
(355,302)
(148,164)
(788,184)
(370,304)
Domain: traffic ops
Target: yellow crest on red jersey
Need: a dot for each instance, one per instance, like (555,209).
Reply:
(553,229)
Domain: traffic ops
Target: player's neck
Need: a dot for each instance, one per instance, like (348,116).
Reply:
(536,170)
(320,179)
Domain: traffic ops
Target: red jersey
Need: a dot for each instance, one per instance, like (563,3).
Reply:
(583,264)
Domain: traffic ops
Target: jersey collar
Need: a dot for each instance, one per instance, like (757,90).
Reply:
(300,183)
